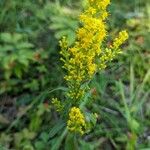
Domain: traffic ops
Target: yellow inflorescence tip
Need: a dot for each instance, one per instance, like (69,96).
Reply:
(76,121)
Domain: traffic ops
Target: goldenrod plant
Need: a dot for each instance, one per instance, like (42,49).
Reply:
(83,59)
(97,100)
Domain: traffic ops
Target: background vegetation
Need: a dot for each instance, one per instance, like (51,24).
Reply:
(31,74)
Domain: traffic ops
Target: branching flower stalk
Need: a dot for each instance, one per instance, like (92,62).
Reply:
(87,56)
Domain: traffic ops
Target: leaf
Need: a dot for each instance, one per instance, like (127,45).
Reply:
(24,61)
(33,85)
(86,146)
(56,129)
(7,74)
(56,26)
(93,119)
(18,138)
(5,48)
(2,147)
(16,37)
(24,45)
(39,145)
(60,19)
(35,123)
(121,138)
(59,34)
(44,136)
(18,71)
(41,15)
(28,134)
(71,142)
(5,138)
(59,140)
(6,37)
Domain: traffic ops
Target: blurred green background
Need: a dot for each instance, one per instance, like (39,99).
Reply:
(31,74)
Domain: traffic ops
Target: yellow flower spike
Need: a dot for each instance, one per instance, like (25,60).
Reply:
(100,4)
(123,36)
(87,55)
(79,60)
(57,104)
(76,122)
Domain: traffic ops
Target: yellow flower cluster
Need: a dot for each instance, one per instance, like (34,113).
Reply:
(57,104)
(76,122)
(100,4)
(87,55)
(80,59)
(123,36)
(109,53)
